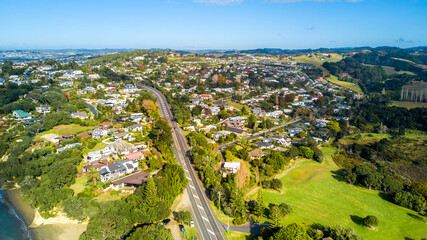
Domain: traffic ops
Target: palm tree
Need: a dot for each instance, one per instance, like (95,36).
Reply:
(93,175)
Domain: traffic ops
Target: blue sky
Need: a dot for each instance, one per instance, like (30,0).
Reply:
(211,24)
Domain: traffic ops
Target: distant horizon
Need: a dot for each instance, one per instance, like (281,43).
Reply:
(212,24)
(212,49)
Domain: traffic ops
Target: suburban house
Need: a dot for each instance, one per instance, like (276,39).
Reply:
(257,111)
(134,156)
(98,155)
(237,122)
(105,125)
(135,128)
(81,115)
(256,153)
(83,136)
(219,134)
(231,167)
(96,165)
(99,133)
(43,109)
(117,169)
(68,146)
(133,180)
(121,147)
(123,135)
(264,145)
(21,115)
(236,130)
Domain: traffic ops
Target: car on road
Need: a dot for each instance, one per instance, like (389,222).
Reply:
(191,223)
(166,221)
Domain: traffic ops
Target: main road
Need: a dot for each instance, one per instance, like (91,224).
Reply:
(206,223)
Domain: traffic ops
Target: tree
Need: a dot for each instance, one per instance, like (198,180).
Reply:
(151,198)
(93,175)
(332,125)
(292,232)
(259,205)
(286,209)
(153,231)
(149,106)
(183,217)
(275,213)
(306,152)
(370,221)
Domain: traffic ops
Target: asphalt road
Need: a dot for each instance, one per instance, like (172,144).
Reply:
(208,227)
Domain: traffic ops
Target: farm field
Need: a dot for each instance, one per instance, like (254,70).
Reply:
(317,197)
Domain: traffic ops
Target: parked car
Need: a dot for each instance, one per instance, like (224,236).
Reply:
(191,223)
(166,221)
(181,227)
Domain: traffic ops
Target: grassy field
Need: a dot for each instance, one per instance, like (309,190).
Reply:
(317,62)
(352,86)
(416,134)
(67,129)
(232,235)
(317,197)
(366,138)
(390,70)
(79,185)
(409,105)
(98,146)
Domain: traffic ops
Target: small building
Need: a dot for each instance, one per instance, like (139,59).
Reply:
(133,180)
(231,167)
(264,145)
(237,130)
(21,115)
(117,169)
(135,128)
(256,153)
(105,125)
(134,156)
(98,155)
(43,109)
(81,115)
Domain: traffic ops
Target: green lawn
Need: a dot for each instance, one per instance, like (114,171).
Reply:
(190,232)
(98,146)
(352,86)
(67,129)
(79,185)
(409,105)
(232,235)
(317,197)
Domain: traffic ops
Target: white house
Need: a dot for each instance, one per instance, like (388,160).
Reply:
(98,155)
(117,169)
(43,109)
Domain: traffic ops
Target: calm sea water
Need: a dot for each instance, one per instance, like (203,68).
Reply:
(12,226)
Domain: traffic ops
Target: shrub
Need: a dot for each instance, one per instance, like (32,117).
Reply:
(370,221)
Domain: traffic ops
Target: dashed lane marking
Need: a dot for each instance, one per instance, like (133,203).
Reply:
(196,196)
(200,206)
(192,186)
(210,232)
(205,219)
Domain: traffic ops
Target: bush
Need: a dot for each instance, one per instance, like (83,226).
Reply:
(183,217)
(370,221)
(239,221)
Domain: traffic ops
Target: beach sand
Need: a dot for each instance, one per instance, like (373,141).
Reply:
(58,228)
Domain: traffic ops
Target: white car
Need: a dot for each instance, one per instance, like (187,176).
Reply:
(191,223)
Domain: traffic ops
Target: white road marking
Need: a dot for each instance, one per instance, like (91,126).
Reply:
(199,206)
(207,220)
(196,196)
(188,178)
(210,232)
(192,186)
(186,170)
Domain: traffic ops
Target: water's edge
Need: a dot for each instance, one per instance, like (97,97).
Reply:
(11,203)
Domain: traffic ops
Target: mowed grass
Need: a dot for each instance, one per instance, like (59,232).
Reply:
(67,129)
(366,138)
(79,185)
(352,86)
(317,197)
(317,62)
(232,235)
(98,146)
(409,105)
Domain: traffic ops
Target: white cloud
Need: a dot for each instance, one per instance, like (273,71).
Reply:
(218,2)
(294,1)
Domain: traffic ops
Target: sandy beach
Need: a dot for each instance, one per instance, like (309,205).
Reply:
(57,228)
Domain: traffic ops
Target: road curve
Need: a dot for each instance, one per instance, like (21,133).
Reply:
(208,227)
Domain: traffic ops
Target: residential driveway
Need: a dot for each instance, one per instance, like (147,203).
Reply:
(173,226)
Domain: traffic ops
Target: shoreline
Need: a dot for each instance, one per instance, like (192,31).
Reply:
(39,228)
